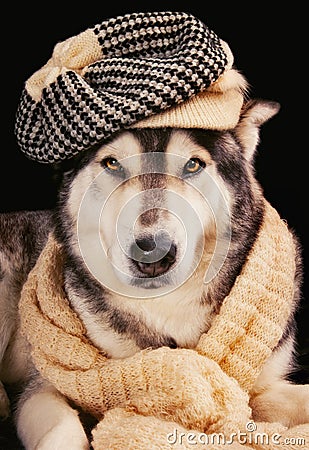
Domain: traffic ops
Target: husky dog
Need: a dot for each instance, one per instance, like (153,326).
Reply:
(155,199)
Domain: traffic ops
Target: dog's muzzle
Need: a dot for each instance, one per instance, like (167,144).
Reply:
(153,255)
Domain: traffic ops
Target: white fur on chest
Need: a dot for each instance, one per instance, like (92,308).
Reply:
(180,314)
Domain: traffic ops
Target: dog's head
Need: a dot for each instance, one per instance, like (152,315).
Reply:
(149,207)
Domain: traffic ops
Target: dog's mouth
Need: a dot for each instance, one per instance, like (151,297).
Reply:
(151,259)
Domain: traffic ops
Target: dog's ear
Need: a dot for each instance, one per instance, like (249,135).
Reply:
(253,115)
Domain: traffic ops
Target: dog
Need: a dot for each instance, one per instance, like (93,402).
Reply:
(161,203)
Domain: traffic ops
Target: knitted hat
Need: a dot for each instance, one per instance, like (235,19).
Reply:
(142,69)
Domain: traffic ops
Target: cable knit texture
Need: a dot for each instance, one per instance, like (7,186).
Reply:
(139,67)
(141,400)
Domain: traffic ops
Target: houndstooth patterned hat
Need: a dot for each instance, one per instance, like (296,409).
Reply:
(142,69)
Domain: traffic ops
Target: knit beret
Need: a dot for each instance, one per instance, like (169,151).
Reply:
(154,69)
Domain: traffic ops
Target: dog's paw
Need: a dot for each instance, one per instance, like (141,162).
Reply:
(285,403)
(65,435)
(4,403)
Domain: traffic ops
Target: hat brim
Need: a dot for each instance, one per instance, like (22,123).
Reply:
(208,110)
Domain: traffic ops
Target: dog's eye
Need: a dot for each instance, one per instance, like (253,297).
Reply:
(112,165)
(194,165)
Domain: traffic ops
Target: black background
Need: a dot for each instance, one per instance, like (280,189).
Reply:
(268,47)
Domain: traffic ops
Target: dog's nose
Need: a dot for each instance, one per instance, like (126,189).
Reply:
(153,257)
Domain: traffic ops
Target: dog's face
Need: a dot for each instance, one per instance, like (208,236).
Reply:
(152,201)
(152,206)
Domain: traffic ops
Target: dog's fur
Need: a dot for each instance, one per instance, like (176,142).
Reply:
(184,303)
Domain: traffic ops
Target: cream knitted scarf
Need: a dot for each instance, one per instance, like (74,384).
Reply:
(141,399)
